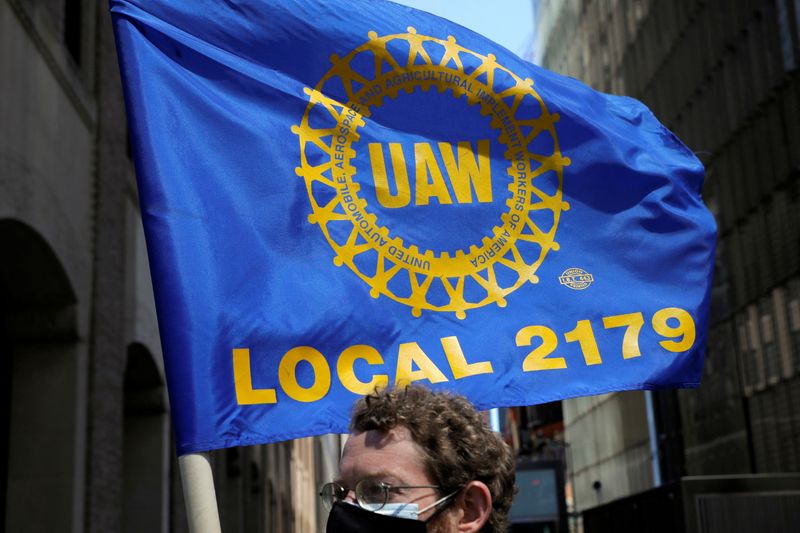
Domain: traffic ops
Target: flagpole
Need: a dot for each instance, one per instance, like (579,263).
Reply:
(199,494)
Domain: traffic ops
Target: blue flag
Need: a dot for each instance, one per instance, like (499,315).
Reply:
(343,195)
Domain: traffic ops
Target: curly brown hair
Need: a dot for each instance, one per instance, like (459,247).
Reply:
(457,445)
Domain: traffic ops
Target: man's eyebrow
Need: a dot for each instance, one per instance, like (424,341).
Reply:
(374,475)
(380,473)
(383,474)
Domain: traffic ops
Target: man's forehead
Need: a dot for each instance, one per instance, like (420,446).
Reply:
(389,441)
(380,439)
(381,453)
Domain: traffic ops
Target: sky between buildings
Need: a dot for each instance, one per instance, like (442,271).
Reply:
(507,22)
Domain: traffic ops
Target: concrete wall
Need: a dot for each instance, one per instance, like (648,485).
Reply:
(46,185)
(47,439)
(64,175)
(88,443)
(46,146)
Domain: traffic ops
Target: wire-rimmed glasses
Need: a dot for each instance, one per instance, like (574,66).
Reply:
(371,494)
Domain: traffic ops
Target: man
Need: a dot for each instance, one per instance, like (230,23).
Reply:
(420,461)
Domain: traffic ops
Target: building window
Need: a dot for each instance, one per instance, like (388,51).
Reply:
(72,28)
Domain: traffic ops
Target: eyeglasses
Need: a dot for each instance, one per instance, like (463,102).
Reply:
(371,494)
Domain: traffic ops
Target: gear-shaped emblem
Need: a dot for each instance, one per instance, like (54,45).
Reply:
(368,248)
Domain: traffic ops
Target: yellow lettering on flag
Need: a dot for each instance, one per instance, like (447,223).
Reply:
(469,172)
(385,196)
(427,166)
(243,381)
(344,367)
(409,354)
(287,374)
(458,363)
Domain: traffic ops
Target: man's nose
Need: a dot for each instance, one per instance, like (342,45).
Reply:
(350,497)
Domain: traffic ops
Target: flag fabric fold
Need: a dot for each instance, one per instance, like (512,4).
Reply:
(343,195)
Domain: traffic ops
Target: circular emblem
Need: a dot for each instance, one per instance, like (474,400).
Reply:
(576,278)
(405,237)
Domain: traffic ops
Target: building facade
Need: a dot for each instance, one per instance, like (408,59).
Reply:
(723,75)
(85,442)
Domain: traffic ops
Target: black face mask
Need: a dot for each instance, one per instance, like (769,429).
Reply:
(347,518)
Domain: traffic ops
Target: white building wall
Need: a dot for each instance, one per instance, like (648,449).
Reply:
(609,443)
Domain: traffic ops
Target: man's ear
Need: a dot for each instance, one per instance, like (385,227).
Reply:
(476,506)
